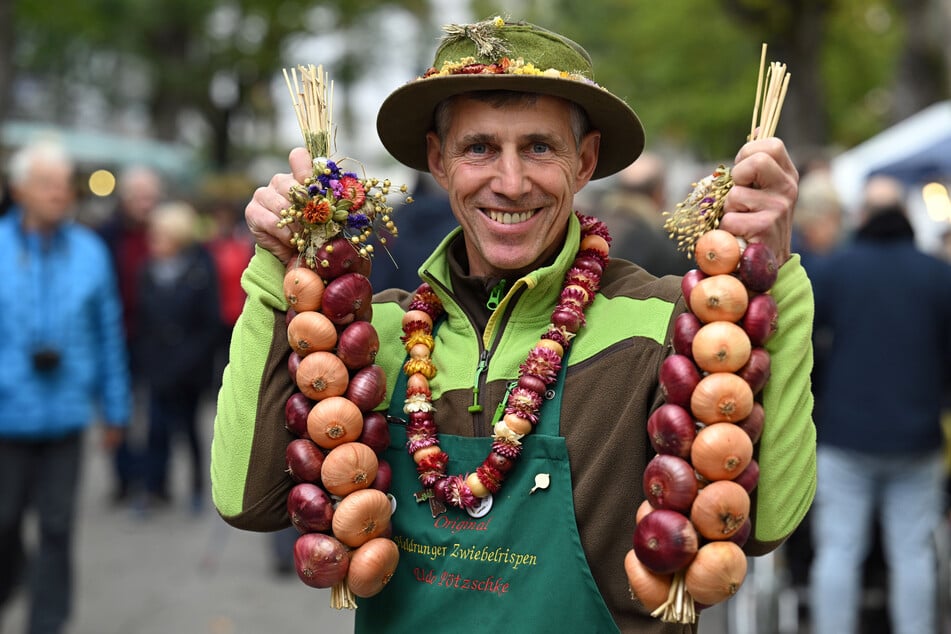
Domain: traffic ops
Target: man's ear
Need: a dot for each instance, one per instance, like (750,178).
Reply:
(434,158)
(588,158)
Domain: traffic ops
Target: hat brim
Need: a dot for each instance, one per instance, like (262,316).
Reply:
(407,115)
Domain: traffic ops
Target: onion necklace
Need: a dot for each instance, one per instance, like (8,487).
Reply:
(520,410)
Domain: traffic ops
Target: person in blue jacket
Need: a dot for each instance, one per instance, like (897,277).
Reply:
(62,366)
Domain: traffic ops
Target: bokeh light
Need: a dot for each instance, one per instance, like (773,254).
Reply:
(102,182)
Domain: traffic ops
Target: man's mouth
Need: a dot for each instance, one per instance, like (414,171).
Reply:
(510,218)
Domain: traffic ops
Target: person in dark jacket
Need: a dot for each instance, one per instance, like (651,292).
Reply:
(887,305)
(179,318)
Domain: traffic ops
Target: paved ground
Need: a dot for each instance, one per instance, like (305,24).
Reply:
(178,572)
(193,574)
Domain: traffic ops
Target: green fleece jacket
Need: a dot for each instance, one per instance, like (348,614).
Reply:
(610,388)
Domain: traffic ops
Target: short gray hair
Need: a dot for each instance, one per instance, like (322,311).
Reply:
(40,152)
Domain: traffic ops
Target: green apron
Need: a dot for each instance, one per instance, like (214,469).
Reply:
(519,568)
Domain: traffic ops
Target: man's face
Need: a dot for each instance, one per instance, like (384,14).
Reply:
(47,195)
(511,172)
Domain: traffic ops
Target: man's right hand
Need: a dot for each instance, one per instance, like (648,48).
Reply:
(264,211)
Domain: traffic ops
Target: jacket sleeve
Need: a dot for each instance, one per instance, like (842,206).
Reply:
(249,481)
(116,395)
(786,451)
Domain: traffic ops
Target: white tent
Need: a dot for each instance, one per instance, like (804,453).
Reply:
(916,150)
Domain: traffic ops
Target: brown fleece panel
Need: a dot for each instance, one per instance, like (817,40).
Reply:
(268,483)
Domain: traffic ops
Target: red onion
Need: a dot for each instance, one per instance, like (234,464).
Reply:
(296,409)
(665,541)
(686,326)
(499,462)
(321,560)
(589,263)
(358,344)
(678,377)
(376,432)
(758,268)
(567,318)
(761,319)
(304,459)
(339,256)
(753,424)
(310,508)
(346,297)
(670,483)
(756,371)
(742,535)
(671,429)
(533,383)
(367,388)
(749,477)
(292,362)
(384,476)
(690,280)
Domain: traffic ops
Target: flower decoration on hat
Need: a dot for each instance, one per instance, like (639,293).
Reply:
(332,200)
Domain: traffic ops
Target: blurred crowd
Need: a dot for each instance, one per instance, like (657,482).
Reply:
(160,293)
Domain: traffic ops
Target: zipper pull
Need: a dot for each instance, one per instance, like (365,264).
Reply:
(500,410)
(475,408)
(495,297)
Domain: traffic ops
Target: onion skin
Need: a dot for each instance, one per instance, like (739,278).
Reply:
(721,346)
(642,510)
(367,388)
(310,508)
(671,429)
(678,379)
(296,410)
(358,345)
(376,432)
(348,468)
(721,451)
(756,371)
(753,424)
(670,483)
(384,476)
(346,298)
(304,460)
(321,560)
(720,509)
(361,516)
(293,361)
(686,326)
(309,332)
(334,421)
(338,256)
(761,319)
(689,281)
(665,541)
(757,268)
(721,396)
(321,375)
(743,535)
(372,566)
(648,587)
(749,477)
(719,298)
(717,252)
(303,289)
(716,573)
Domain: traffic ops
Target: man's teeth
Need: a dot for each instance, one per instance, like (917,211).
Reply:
(507,218)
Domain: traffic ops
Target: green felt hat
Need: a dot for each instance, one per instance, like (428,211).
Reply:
(499,55)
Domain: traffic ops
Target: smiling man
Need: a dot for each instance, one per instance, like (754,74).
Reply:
(510,121)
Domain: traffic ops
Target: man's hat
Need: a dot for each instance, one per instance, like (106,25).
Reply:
(499,55)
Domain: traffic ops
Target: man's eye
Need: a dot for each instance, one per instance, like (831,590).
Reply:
(478,148)
(539,148)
